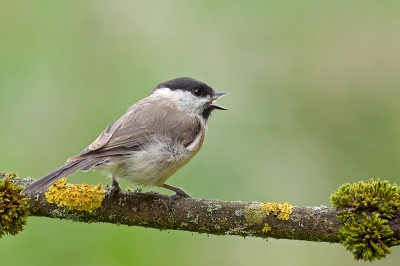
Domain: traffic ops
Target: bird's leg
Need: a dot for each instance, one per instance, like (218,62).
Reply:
(115,188)
(178,193)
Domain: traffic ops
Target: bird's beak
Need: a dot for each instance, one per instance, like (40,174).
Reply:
(216,96)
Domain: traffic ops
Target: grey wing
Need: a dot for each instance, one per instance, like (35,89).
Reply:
(137,126)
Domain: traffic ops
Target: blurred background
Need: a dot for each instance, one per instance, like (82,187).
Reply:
(314,103)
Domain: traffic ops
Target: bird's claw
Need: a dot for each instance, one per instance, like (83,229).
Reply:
(115,188)
(179,193)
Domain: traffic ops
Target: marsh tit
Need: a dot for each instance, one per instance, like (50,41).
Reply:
(150,142)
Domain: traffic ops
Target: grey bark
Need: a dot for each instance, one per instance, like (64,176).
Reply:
(318,223)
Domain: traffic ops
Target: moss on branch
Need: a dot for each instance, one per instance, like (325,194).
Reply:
(365,217)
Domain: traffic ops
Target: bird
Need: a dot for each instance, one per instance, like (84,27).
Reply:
(154,138)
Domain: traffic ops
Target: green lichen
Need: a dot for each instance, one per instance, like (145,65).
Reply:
(196,220)
(14,207)
(254,214)
(370,194)
(368,237)
(211,208)
(239,213)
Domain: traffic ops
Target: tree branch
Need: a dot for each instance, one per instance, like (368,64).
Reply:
(216,217)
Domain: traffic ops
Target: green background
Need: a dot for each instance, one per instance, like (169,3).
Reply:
(314,103)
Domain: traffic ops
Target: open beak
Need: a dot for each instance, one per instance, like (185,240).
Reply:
(216,96)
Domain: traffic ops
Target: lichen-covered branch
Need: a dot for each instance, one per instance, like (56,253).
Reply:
(201,215)
(257,219)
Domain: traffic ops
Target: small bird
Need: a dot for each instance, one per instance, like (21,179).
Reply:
(150,142)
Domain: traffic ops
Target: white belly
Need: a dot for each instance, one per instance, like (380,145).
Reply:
(155,163)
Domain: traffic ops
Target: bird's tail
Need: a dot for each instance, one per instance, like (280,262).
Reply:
(69,168)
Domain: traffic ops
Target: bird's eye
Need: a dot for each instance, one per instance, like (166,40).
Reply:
(196,92)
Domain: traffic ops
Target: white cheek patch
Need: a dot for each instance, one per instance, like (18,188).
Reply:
(184,100)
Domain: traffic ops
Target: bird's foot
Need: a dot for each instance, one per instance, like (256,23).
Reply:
(178,193)
(115,188)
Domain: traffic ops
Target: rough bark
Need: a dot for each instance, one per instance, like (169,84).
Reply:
(216,217)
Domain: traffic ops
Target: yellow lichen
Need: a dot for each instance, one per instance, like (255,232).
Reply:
(266,228)
(271,207)
(284,209)
(223,222)
(254,214)
(82,197)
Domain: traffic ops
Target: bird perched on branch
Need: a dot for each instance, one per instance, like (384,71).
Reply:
(150,142)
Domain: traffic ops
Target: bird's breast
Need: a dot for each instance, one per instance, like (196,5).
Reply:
(158,160)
